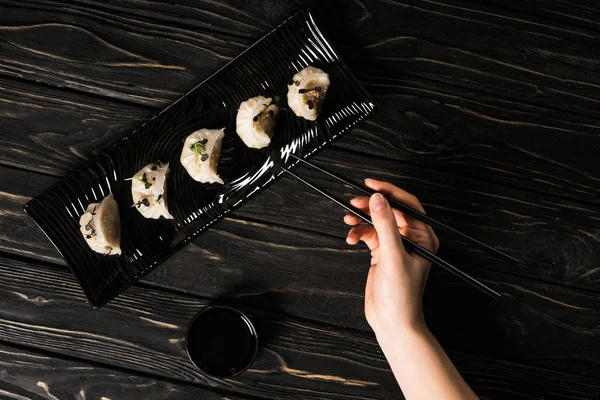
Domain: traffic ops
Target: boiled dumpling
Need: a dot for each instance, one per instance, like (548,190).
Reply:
(201,153)
(256,120)
(307,92)
(148,190)
(101,227)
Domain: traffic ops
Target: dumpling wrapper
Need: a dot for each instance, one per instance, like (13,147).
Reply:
(151,202)
(307,92)
(256,120)
(201,153)
(100,226)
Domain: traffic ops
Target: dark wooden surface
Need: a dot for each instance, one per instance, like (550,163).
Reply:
(489,113)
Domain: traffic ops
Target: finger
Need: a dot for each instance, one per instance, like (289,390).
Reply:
(395,193)
(362,203)
(434,239)
(403,197)
(363,233)
(423,237)
(385,224)
(401,221)
(351,219)
(374,257)
(368,235)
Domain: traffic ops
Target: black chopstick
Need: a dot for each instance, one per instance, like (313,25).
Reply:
(412,212)
(407,242)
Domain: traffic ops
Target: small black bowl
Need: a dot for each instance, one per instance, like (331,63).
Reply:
(221,341)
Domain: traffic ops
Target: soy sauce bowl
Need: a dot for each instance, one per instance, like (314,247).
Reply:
(221,341)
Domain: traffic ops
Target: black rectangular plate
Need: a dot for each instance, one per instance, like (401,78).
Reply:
(264,69)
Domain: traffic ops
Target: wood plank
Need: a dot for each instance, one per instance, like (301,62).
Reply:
(563,12)
(516,57)
(512,97)
(481,136)
(493,100)
(52,131)
(555,239)
(75,128)
(33,375)
(78,127)
(143,329)
(317,276)
(130,52)
(189,22)
(549,49)
(435,132)
(428,125)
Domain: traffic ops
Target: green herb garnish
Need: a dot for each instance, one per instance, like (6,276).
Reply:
(147,184)
(198,148)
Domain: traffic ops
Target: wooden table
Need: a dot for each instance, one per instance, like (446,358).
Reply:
(489,113)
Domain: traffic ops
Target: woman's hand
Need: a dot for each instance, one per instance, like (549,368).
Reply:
(394,291)
(394,296)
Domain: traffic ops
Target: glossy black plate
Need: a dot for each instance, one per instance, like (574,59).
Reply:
(263,69)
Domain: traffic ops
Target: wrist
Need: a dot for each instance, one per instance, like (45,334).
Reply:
(400,335)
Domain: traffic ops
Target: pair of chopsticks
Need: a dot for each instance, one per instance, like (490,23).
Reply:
(414,214)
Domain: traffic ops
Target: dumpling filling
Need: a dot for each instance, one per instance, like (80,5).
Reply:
(101,227)
(256,120)
(201,153)
(307,92)
(148,190)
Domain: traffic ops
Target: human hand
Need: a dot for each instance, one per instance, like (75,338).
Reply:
(394,291)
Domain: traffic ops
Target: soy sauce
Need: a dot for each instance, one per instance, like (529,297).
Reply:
(221,341)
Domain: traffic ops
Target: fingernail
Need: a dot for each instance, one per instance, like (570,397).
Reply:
(378,202)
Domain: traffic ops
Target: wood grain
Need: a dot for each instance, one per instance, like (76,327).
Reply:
(33,375)
(317,276)
(481,136)
(515,84)
(49,130)
(517,64)
(95,48)
(499,99)
(489,113)
(556,240)
(143,329)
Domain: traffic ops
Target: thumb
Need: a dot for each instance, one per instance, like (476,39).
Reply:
(385,224)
